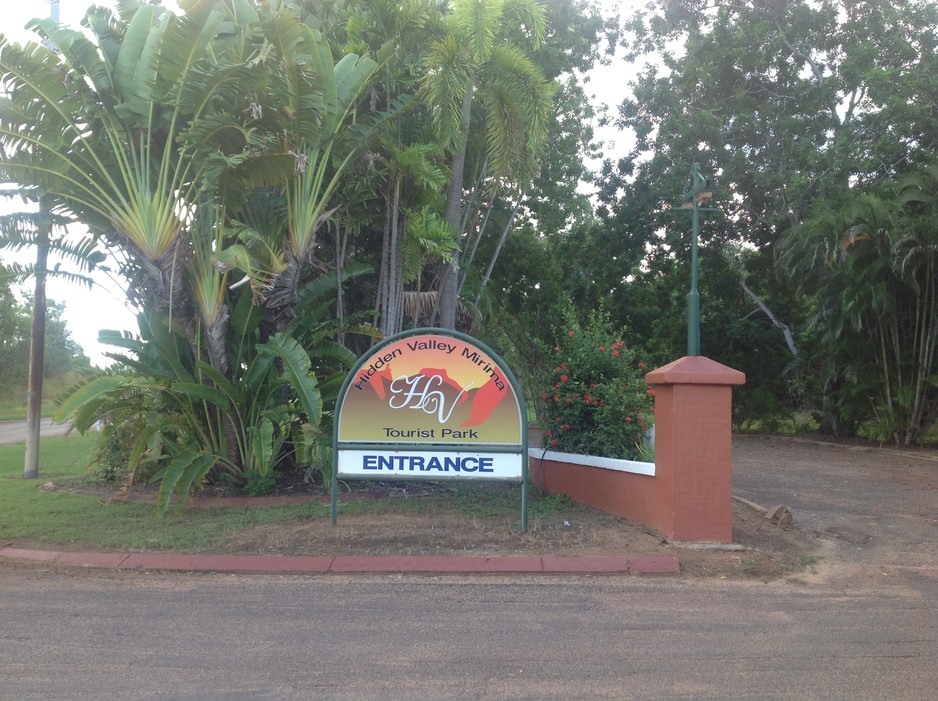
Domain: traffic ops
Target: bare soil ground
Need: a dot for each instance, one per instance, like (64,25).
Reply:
(768,552)
(434,519)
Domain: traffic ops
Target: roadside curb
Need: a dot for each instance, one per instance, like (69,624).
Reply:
(638,565)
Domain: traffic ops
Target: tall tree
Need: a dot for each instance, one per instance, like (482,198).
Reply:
(35,230)
(63,355)
(870,270)
(793,108)
(172,136)
(477,65)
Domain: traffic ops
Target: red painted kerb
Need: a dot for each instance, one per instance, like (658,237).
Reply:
(690,496)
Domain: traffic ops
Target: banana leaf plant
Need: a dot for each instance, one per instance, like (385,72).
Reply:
(269,410)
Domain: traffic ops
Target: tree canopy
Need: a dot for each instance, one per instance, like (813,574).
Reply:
(800,112)
(285,181)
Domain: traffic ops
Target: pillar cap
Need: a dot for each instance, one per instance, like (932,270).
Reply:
(695,370)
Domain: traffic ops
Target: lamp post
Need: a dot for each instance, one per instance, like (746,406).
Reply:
(699,193)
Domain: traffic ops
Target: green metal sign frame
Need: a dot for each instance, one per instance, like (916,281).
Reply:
(478,451)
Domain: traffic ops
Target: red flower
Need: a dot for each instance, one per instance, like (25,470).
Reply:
(572,333)
(543,395)
(641,366)
(602,348)
(563,365)
(564,378)
(615,354)
(554,442)
(566,427)
(629,419)
(651,393)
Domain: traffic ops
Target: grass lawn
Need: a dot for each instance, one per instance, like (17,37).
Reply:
(68,519)
(29,514)
(12,410)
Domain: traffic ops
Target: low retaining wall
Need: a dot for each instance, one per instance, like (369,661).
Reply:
(622,487)
(687,493)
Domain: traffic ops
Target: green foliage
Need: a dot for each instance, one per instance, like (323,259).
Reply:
(115,443)
(597,402)
(259,485)
(800,111)
(206,146)
(63,357)
(60,517)
(313,448)
(187,421)
(191,412)
(870,271)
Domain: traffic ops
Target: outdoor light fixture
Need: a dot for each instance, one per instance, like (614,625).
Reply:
(699,194)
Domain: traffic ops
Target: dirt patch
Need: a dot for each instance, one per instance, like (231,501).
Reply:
(767,552)
(428,519)
(398,518)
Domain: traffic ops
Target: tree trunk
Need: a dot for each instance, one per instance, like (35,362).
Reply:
(476,240)
(450,279)
(384,272)
(786,332)
(37,343)
(498,250)
(341,247)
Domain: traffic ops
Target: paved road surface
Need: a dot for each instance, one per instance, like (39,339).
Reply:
(865,627)
(15,431)
(140,636)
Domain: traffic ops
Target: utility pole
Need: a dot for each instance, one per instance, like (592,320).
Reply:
(37,343)
(37,337)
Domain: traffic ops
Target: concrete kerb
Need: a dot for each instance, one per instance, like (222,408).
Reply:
(298,564)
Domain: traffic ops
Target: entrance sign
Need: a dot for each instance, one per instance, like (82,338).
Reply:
(433,465)
(430,404)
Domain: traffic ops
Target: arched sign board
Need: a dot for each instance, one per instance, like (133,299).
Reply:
(431,404)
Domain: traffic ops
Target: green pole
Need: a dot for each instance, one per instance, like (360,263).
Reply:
(699,192)
(693,297)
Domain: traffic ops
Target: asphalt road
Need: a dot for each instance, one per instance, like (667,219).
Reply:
(865,626)
(15,431)
(139,636)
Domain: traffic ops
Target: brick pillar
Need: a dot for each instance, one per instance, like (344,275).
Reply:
(694,449)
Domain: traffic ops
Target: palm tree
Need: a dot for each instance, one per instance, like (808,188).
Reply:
(872,268)
(34,229)
(311,134)
(100,128)
(156,132)
(476,64)
(917,258)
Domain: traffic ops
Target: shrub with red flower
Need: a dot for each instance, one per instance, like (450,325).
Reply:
(597,393)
